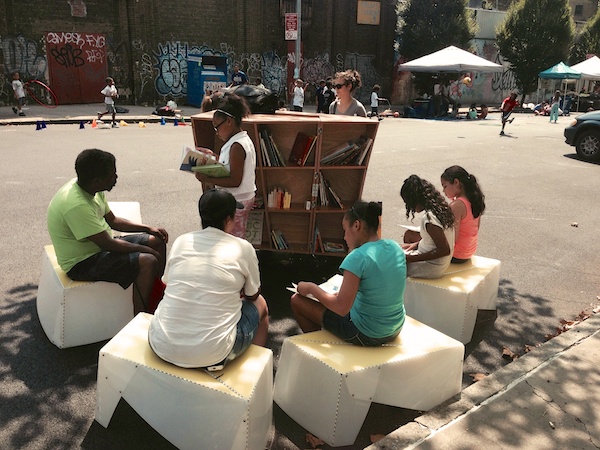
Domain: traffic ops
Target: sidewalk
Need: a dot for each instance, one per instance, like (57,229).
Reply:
(69,114)
(547,399)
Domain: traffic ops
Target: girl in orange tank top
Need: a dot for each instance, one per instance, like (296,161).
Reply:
(467,204)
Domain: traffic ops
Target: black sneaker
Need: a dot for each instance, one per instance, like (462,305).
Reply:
(502,133)
(21,113)
(15,110)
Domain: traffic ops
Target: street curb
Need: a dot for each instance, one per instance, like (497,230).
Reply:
(87,120)
(470,399)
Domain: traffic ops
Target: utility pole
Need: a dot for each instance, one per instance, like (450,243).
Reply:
(298,38)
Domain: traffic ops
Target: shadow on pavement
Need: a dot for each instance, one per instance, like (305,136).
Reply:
(48,395)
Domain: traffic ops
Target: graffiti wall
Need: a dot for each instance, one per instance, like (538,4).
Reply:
(77,66)
(23,55)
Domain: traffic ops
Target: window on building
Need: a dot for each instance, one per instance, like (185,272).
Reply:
(578,10)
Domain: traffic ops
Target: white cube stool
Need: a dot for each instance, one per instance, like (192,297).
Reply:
(450,303)
(79,312)
(76,313)
(327,385)
(192,409)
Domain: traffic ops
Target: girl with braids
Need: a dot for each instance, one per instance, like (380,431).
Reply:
(238,153)
(345,83)
(467,204)
(368,309)
(428,253)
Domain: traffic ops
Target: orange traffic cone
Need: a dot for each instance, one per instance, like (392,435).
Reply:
(94,124)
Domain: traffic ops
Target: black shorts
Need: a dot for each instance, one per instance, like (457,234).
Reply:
(506,115)
(122,268)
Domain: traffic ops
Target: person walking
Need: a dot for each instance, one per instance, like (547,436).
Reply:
(555,107)
(110,93)
(508,104)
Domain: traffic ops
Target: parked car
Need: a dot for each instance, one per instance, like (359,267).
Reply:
(584,135)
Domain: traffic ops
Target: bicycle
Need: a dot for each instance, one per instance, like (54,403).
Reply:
(41,93)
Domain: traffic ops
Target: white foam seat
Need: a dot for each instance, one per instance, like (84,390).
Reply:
(327,385)
(76,313)
(450,303)
(230,409)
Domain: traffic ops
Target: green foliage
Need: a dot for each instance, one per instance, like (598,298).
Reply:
(425,26)
(587,41)
(535,35)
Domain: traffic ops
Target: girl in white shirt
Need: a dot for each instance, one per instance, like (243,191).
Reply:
(428,252)
(238,154)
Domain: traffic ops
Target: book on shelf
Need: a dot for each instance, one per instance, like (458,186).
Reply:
(349,153)
(205,162)
(334,247)
(338,153)
(317,244)
(279,240)
(271,155)
(301,149)
(332,193)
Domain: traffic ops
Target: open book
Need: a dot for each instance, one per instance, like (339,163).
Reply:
(193,160)
(331,286)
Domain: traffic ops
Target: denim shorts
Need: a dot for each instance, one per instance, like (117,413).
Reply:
(344,328)
(245,331)
(122,268)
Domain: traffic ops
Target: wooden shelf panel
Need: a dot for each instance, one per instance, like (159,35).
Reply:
(296,223)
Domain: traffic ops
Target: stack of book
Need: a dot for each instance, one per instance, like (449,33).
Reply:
(269,150)
(349,153)
(279,240)
(327,193)
(279,199)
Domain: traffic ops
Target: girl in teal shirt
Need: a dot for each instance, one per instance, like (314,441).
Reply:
(368,309)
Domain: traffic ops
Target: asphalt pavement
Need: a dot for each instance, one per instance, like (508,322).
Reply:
(539,223)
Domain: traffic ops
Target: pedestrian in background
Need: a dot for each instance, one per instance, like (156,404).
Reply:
(555,107)
(298,101)
(110,93)
(345,84)
(19,93)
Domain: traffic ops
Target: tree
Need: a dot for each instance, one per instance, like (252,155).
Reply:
(535,35)
(587,41)
(426,26)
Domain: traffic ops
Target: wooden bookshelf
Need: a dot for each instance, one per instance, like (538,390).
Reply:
(297,223)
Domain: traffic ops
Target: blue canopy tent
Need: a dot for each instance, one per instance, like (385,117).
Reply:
(559,71)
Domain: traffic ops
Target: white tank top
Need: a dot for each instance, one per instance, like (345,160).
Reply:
(247,188)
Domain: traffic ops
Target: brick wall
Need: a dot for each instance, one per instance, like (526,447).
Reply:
(147,41)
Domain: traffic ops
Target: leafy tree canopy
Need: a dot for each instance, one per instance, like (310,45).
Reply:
(587,41)
(535,35)
(425,26)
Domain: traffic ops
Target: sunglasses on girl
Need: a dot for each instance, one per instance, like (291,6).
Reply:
(339,86)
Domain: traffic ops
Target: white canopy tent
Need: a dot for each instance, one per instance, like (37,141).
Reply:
(590,71)
(590,68)
(451,59)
